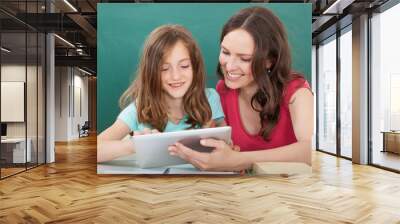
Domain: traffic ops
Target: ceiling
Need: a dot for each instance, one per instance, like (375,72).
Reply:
(76,22)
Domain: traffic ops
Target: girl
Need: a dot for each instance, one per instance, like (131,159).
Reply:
(268,106)
(168,94)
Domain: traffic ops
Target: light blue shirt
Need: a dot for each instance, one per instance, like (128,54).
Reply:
(129,114)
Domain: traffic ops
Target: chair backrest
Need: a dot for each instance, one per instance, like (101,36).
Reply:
(86,125)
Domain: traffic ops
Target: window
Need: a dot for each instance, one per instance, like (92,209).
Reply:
(22,64)
(385,89)
(327,96)
(346,93)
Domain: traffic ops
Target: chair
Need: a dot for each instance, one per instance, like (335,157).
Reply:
(84,130)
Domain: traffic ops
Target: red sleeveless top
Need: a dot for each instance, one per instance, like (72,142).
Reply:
(282,134)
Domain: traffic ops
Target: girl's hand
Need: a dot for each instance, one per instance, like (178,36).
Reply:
(224,157)
(215,123)
(210,124)
(145,131)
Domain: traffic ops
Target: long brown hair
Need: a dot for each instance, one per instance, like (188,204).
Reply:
(146,90)
(271,43)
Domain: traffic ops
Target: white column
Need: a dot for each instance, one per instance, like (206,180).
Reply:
(360,90)
(50,109)
(314,89)
(50,93)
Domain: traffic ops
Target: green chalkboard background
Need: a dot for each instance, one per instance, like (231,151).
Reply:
(123,28)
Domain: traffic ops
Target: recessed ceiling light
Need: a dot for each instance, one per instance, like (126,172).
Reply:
(337,7)
(5,50)
(84,71)
(64,40)
(71,6)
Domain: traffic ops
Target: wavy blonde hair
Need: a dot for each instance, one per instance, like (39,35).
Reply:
(146,90)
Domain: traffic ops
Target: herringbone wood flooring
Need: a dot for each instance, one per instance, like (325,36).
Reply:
(70,191)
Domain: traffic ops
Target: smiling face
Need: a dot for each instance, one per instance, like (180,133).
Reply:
(176,71)
(235,58)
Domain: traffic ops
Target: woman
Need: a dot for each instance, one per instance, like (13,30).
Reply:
(268,106)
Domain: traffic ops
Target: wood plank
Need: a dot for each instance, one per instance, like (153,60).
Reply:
(70,191)
(283,168)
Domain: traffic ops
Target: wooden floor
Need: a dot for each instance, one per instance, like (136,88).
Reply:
(70,191)
(387,159)
(10,171)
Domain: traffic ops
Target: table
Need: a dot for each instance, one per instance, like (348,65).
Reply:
(128,165)
(391,141)
(15,148)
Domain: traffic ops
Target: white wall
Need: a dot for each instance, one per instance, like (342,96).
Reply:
(71,87)
(80,105)
(33,127)
(61,103)
(12,73)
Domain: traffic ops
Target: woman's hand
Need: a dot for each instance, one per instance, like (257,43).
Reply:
(224,157)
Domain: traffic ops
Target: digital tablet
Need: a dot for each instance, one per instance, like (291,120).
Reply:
(152,149)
